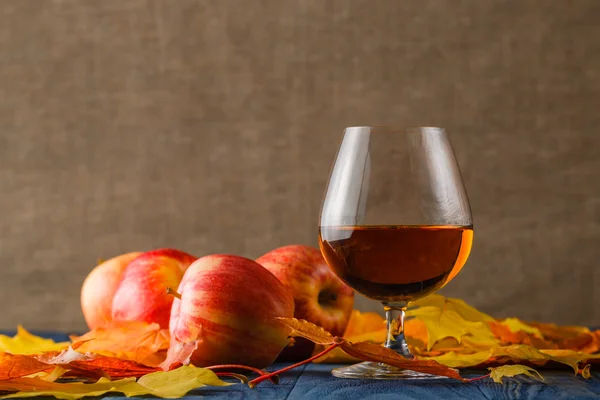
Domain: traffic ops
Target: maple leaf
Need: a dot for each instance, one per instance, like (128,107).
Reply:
(64,357)
(466,312)
(442,323)
(506,336)
(366,351)
(18,365)
(177,382)
(308,330)
(144,343)
(497,373)
(172,384)
(570,337)
(26,343)
(520,354)
(516,325)
(102,366)
(373,352)
(361,323)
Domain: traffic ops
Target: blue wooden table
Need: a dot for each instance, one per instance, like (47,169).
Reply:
(314,381)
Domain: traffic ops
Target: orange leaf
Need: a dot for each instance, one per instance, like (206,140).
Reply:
(308,330)
(18,365)
(361,323)
(577,338)
(129,340)
(373,352)
(506,336)
(101,366)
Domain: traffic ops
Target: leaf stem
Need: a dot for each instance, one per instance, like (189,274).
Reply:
(240,377)
(477,378)
(258,380)
(260,372)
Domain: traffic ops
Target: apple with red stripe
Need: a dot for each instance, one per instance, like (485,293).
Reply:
(141,293)
(225,313)
(319,295)
(99,289)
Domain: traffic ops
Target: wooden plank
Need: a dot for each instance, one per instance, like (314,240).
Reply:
(316,382)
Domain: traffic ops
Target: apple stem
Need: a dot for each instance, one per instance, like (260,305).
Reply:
(173,293)
(258,380)
(260,372)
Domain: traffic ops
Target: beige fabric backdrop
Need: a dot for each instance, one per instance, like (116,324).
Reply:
(211,126)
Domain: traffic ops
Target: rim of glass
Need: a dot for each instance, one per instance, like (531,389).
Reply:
(394,129)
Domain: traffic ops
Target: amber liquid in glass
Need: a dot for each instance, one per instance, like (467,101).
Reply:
(396,263)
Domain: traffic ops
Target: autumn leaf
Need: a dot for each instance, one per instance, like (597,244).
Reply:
(464,310)
(362,323)
(172,384)
(26,343)
(362,327)
(373,352)
(64,357)
(308,330)
(141,342)
(442,323)
(31,387)
(102,366)
(521,354)
(578,338)
(178,382)
(56,373)
(497,373)
(19,365)
(367,351)
(516,325)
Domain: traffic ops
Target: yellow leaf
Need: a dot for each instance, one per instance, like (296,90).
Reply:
(516,325)
(442,323)
(453,359)
(26,343)
(513,354)
(497,373)
(56,373)
(32,387)
(443,303)
(178,382)
(172,384)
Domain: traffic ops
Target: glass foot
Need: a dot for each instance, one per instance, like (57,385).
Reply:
(375,370)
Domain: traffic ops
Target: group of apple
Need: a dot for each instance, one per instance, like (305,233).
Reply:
(230,302)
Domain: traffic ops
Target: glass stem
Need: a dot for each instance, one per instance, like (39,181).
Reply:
(394,315)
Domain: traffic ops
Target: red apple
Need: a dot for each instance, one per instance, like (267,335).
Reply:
(99,289)
(319,295)
(141,295)
(230,303)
